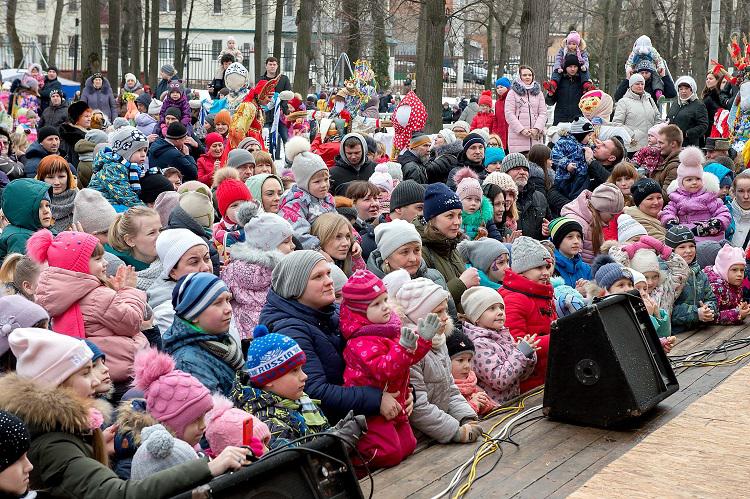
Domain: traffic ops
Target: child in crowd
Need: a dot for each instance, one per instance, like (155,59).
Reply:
(477,213)
(489,256)
(691,204)
(225,426)
(440,411)
(567,236)
(15,466)
(212,160)
(231,193)
(105,389)
(646,256)
(118,170)
(696,305)
(158,451)
(339,280)
(567,298)
(385,184)
(461,351)
(268,237)
(221,125)
(629,230)
(493,159)
(624,176)
(176,98)
(569,160)
(26,205)
(309,197)
(644,52)
(19,275)
(573,44)
(649,157)
(529,301)
(725,277)
(485,117)
(132,417)
(271,387)
(502,361)
(84,303)
(17,312)
(379,352)
(199,339)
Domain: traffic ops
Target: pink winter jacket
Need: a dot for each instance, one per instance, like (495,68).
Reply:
(524,109)
(579,210)
(498,363)
(112,319)
(374,357)
(689,208)
(248,277)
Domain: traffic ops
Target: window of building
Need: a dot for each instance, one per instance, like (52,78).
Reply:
(248,6)
(217,6)
(216,46)
(288,8)
(71,46)
(166,49)
(288,57)
(41,40)
(247,51)
(41,4)
(167,5)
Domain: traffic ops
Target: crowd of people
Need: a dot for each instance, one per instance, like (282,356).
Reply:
(187,301)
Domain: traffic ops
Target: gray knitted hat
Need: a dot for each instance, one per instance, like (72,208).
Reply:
(305,163)
(289,277)
(126,140)
(93,211)
(239,157)
(481,253)
(676,235)
(406,193)
(528,254)
(158,451)
(392,235)
(514,160)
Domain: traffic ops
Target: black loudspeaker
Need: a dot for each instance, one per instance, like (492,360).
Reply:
(606,365)
(319,469)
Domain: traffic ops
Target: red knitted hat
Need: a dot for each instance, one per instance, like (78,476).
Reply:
(361,289)
(213,137)
(485,99)
(68,250)
(229,191)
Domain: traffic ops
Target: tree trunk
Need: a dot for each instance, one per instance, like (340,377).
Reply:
(113,45)
(381,53)
(15,41)
(153,58)
(259,40)
(184,56)
(353,46)
(278,26)
(146,39)
(55,40)
(91,39)
(178,11)
(304,46)
(677,35)
(699,59)
(125,38)
(489,81)
(503,30)
(535,36)
(430,80)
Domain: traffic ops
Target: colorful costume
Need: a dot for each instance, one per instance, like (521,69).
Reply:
(248,119)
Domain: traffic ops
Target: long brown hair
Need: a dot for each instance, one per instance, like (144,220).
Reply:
(717,88)
(596,229)
(325,227)
(539,154)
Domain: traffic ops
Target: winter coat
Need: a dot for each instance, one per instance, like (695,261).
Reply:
(69,137)
(652,225)
(180,219)
(182,104)
(85,151)
(637,113)
(248,277)
(670,91)
(571,269)
(728,297)
(145,124)
(524,109)
(13,169)
(343,173)
(160,300)
(300,208)
(529,309)
(463,162)
(34,155)
(692,118)
(413,167)
(579,210)
(163,86)
(111,177)
(440,253)
(566,97)
(102,99)
(112,319)
(54,115)
(374,356)
(565,151)
(317,334)
(46,90)
(498,363)
(206,168)
(480,219)
(666,172)
(443,160)
(162,154)
(286,419)
(532,209)
(555,200)
(185,343)
(483,120)
(62,448)
(21,200)
(471,110)
(697,290)
(131,418)
(62,209)
(326,150)
(439,407)
(690,208)
(500,125)
(741,223)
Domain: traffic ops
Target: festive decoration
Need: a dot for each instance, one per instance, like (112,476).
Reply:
(248,118)
(409,116)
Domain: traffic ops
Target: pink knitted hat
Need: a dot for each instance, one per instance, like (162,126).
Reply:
(47,357)
(691,164)
(727,256)
(361,289)
(67,250)
(173,397)
(573,37)
(224,426)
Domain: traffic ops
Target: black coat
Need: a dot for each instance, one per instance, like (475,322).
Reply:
(670,91)
(477,168)
(49,86)
(692,119)
(412,167)
(162,154)
(566,99)
(445,159)
(532,210)
(342,174)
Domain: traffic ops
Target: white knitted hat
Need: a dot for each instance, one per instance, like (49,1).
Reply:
(158,451)
(628,227)
(172,244)
(419,297)
(475,301)
(645,260)
(266,231)
(305,163)
(392,235)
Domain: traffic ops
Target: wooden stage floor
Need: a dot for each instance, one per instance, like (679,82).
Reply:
(556,459)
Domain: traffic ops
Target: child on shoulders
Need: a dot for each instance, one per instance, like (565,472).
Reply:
(569,159)
(575,45)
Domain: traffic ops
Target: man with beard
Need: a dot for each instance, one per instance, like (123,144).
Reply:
(533,210)
(413,160)
(472,157)
(351,165)
(669,143)
(604,156)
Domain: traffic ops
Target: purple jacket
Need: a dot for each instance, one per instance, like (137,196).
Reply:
(182,104)
(102,99)
(689,208)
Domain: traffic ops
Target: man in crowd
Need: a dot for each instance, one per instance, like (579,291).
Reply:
(51,83)
(669,143)
(47,142)
(173,151)
(272,71)
(568,93)
(533,210)
(413,159)
(351,164)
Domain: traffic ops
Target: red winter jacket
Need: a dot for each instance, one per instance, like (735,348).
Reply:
(326,150)
(483,120)
(529,309)
(500,125)
(206,168)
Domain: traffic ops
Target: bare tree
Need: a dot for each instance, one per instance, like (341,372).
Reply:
(184,52)
(113,44)
(55,40)
(503,28)
(91,38)
(350,9)
(700,13)
(15,41)
(380,55)
(430,52)
(153,55)
(278,26)
(535,35)
(304,54)
(178,11)
(146,39)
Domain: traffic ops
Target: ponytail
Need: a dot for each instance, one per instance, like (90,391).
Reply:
(596,230)
(17,269)
(126,224)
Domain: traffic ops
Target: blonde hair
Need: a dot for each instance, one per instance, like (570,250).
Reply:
(325,228)
(16,270)
(127,224)
(19,142)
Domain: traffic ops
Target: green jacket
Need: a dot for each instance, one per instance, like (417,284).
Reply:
(697,289)
(21,200)
(440,253)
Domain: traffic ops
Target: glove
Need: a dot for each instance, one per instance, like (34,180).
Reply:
(714,226)
(700,230)
(631,248)
(525,349)
(408,338)
(671,223)
(429,327)
(661,249)
(467,433)
(351,428)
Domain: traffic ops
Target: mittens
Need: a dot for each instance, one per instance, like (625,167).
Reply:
(428,327)
(467,433)
(631,248)
(408,338)
(661,249)
(714,226)
(700,230)
(671,223)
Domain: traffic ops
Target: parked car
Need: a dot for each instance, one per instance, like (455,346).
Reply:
(449,75)
(475,74)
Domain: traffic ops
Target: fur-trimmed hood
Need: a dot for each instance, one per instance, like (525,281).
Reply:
(44,409)
(455,149)
(519,88)
(130,421)
(245,252)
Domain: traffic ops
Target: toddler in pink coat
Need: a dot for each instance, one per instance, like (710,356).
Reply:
(84,303)
(691,205)
(379,353)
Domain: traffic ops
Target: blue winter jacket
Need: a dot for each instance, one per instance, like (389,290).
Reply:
(317,333)
(162,154)
(183,343)
(571,269)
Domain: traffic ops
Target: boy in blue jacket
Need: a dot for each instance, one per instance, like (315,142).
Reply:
(567,236)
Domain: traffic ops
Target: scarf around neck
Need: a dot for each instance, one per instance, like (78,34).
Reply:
(226,348)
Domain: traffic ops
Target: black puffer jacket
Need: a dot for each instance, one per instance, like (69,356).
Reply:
(412,167)
(566,98)
(463,162)
(443,160)
(692,118)
(343,172)
(532,210)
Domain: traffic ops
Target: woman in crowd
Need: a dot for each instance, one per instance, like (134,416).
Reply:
(55,171)
(525,112)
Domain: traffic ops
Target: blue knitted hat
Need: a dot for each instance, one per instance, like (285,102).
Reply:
(606,271)
(438,198)
(97,351)
(567,298)
(503,81)
(194,293)
(271,356)
(493,155)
